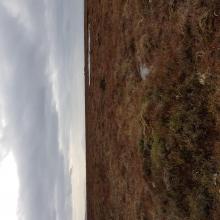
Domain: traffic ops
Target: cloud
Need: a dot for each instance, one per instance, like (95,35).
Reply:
(32,38)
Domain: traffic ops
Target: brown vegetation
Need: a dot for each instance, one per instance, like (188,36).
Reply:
(153,147)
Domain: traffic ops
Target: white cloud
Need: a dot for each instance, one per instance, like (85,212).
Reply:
(9,188)
(42,103)
(18,10)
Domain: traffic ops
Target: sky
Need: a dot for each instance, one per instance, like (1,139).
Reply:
(42,116)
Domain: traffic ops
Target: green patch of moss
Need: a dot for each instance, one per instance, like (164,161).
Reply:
(157,152)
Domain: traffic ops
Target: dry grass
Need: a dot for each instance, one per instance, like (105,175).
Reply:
(153,146)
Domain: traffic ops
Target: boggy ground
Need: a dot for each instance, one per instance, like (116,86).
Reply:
(153,149)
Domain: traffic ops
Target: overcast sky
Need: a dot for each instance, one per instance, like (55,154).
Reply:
(42,105)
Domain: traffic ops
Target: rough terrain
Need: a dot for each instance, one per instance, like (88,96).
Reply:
(153,149)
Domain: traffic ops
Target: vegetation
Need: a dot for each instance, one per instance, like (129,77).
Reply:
(172,115)
(178,148)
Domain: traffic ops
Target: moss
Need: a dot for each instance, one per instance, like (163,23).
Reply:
(145,150)
(175,122)
(157,151)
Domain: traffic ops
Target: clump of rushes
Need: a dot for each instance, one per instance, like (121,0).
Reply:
(177,148)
